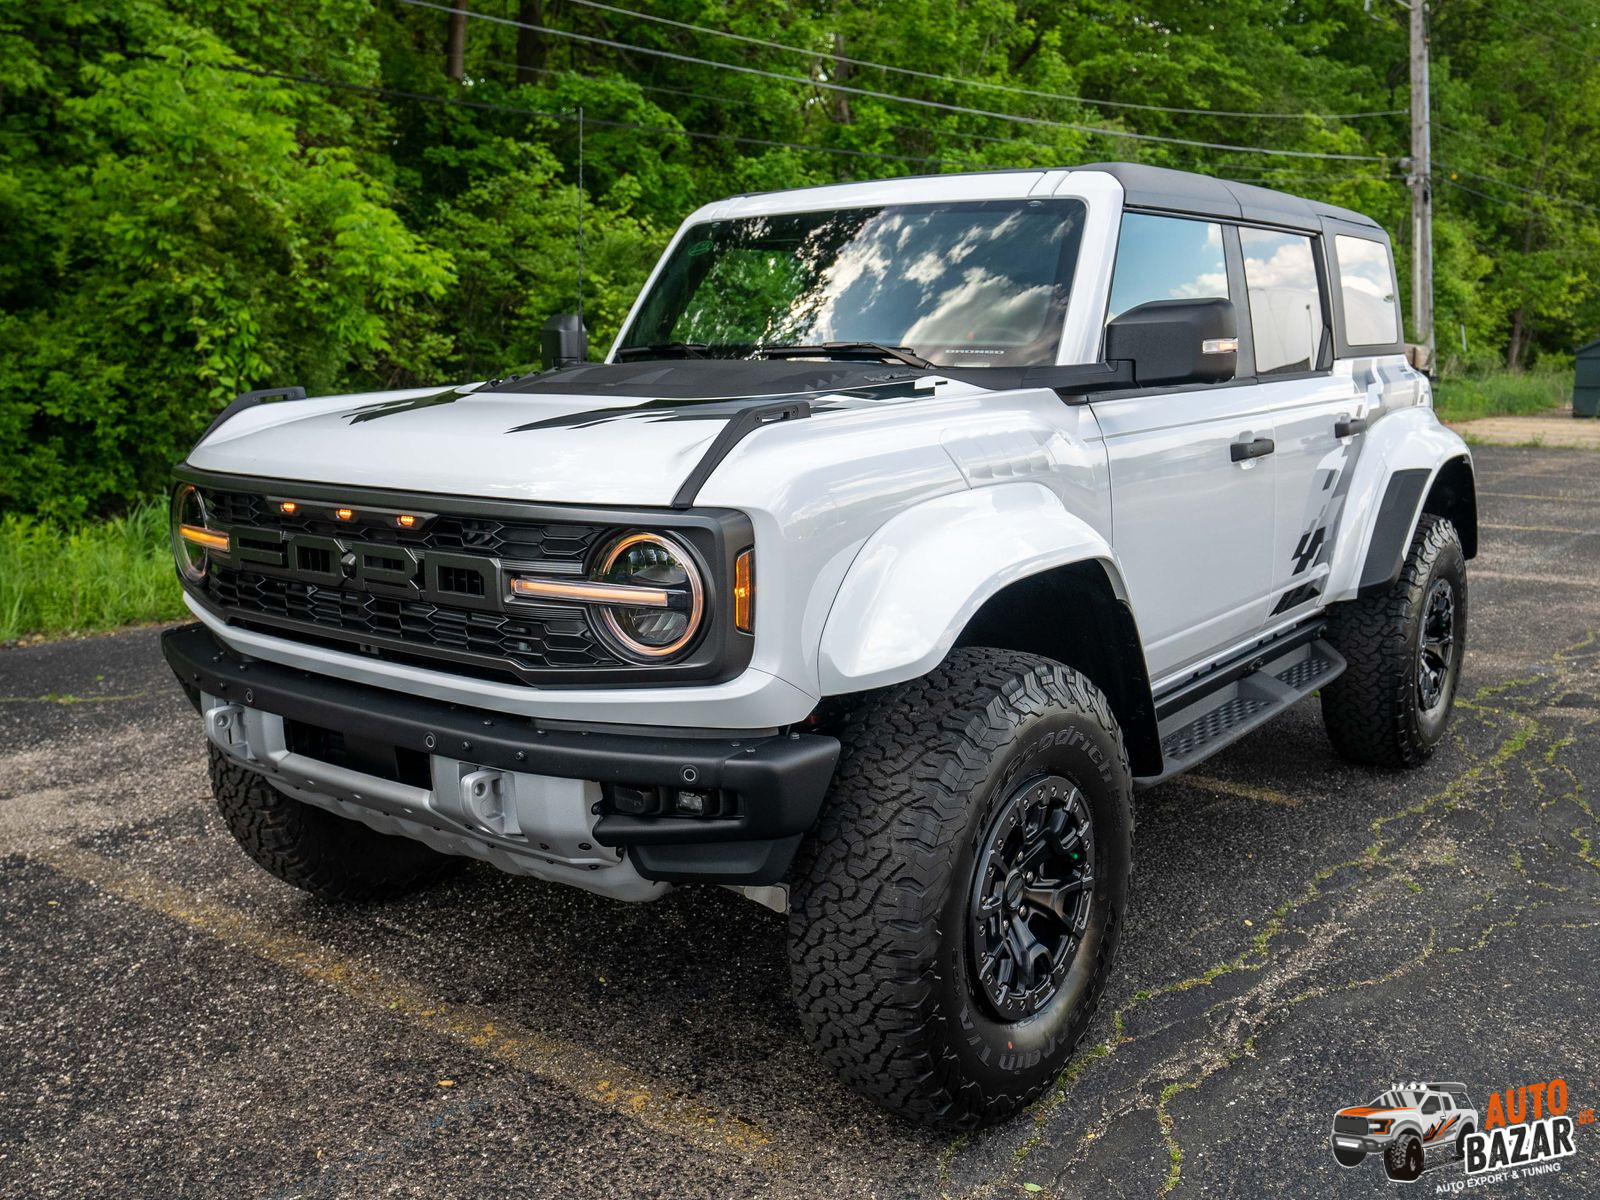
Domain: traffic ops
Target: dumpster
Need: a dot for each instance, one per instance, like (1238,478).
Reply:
(1586,385)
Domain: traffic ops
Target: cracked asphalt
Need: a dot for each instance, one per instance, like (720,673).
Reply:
(1302,935)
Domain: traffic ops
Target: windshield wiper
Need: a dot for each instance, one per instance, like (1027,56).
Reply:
(899,354)
(667,350)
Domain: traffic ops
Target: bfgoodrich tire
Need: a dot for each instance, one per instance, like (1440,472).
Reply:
(330,857)
(954,915)
(1404,647)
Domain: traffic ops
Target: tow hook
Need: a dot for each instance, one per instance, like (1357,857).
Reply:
(225,727)
(486,799)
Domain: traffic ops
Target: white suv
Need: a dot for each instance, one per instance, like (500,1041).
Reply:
(907,528)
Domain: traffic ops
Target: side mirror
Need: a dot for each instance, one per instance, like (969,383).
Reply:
(564,341)
(1177,341)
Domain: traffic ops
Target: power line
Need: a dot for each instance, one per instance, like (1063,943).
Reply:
(713,98)
(492,106)
(1481,145)
(975,83)
(875,95)
(1517,187)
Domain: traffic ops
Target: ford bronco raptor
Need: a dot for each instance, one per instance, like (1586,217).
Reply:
(1407,1124)
(906,529)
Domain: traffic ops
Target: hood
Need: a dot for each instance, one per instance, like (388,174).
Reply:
(594,434)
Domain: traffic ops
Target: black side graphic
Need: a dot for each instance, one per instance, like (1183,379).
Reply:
(1306,552)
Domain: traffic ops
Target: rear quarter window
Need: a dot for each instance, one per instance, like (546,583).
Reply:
(1280,276)
(1366,292)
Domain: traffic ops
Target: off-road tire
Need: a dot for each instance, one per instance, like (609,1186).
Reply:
(329,856)
(1373,712)
(880,892)
(1399,1163)
(1461,1142)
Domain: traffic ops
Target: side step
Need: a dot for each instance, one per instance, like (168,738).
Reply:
(1193,733)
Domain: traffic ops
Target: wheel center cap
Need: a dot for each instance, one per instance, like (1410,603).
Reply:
(1013,889)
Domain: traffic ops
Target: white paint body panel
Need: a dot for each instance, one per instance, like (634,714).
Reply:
(893,615)
(1193,527)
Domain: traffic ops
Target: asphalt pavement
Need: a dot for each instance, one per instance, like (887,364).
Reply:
(1302,935)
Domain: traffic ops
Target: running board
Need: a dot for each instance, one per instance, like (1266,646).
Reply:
(1196,731)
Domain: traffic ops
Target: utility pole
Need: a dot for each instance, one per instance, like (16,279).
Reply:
(1421,187)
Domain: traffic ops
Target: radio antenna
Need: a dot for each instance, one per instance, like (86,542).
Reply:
(580,216)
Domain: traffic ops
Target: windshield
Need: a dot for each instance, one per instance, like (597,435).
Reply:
(963,284)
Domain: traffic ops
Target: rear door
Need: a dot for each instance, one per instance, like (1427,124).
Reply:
(1316,411)
(1193,528)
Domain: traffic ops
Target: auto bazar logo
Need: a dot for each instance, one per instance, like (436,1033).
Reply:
(1523,1133)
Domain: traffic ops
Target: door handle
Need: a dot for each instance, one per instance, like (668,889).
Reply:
(1347,426)
(1260,448)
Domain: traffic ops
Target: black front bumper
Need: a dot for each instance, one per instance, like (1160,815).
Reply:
(771,785)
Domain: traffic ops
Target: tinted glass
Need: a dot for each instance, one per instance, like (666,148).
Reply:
(1167,258)
(1366,287)
(1285,301)
(971,284)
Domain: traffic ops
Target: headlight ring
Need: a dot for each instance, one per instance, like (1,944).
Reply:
(672,591)
(192,535)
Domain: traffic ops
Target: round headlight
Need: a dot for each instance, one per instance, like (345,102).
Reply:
(660,566)
(188,511)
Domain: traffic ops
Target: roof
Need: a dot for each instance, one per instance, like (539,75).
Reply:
(1163,188)
(1159,187)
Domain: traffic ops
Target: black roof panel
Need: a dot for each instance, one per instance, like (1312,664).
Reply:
(1184,191)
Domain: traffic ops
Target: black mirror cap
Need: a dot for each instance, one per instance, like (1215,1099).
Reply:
(1177,341)
(564,341)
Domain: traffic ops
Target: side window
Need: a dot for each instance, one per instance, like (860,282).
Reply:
(1366,292)
(1286,320)
(1166,258)
(1431,1105)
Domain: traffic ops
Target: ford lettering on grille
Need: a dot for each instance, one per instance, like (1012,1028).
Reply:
(435,588)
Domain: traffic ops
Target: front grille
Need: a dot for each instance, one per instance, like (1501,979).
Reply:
(1351,1125)
(563,638)
(563,543)
(275,583)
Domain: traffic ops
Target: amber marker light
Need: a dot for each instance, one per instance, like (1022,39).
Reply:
(345,514)
(406,521)
(288,508)
(744,592)
(209,538)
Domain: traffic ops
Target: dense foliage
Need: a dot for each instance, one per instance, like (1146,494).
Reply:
(203,197)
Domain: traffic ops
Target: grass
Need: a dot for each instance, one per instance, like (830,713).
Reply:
(1501,394)
(100,575)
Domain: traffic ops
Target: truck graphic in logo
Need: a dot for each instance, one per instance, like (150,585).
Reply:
(1412,1126)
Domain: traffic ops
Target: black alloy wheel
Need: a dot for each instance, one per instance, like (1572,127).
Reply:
(1032,888)
(1436,648)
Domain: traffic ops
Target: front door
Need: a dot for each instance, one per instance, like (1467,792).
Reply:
(1192,519)
(1192,527)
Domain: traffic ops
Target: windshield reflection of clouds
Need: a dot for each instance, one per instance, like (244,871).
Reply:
(983,283)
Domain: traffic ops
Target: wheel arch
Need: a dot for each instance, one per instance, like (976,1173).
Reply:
(1005,566)
(1412,465)
(1453,494)
(1102,641)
